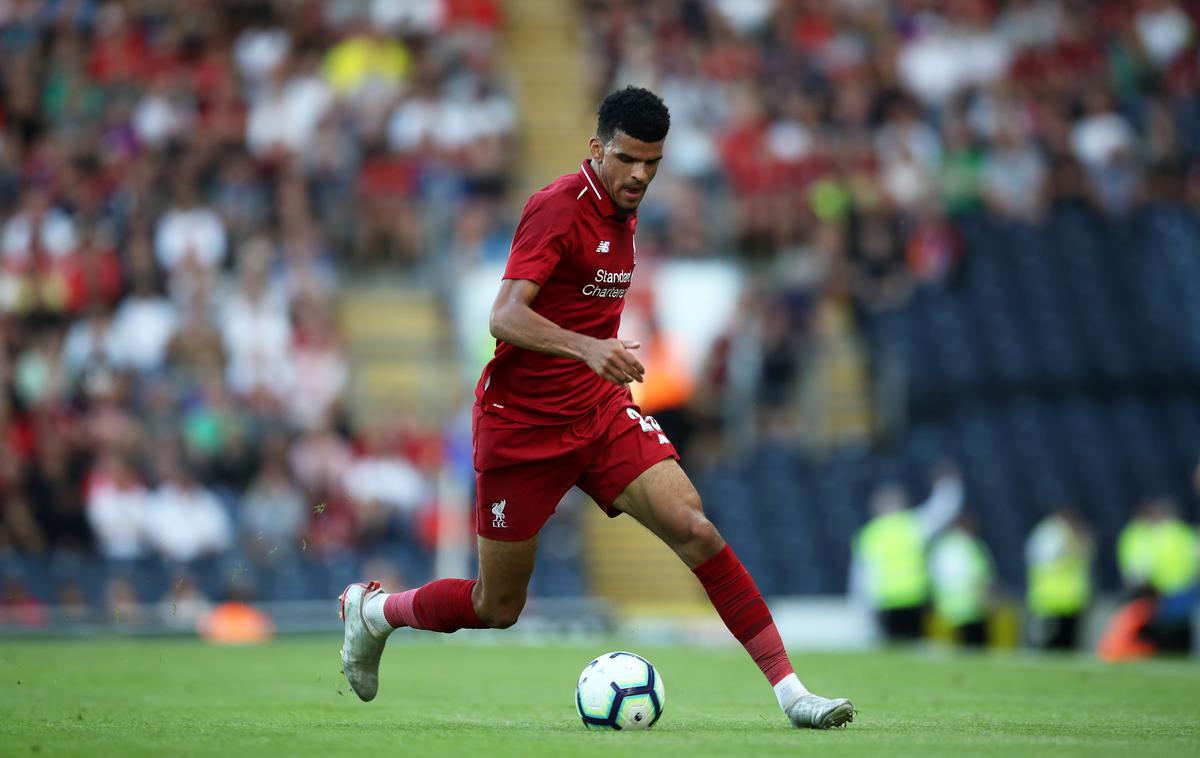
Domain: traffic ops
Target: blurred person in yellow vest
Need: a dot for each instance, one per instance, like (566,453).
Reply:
(1157,549)
(1159,557)
(963,575)
(1059,555)
(1135,547)
(888,567)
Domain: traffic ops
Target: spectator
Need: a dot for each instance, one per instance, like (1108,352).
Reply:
(1159,557)
(321,459)
(962,167)
(934,249)
(287,109)
(321,371)
(162,114)
(185,521)
(37,234)
(888,568)
(54,485)
(117,509)
(380,474)
(143,324)
(274,513)
(880,279)
(909,154)
(256,329)
(39,377)
(189,230)
(93,277)
(1059,557)
(196,349)
(367,64)
(240,196)
(1164,31)
(1014,176)
(962,575)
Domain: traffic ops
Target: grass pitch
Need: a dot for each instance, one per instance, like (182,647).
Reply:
(439,696)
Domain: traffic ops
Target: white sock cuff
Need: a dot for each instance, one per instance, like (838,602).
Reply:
(373,613)
(788,689)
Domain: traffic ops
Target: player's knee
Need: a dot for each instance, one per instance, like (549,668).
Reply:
(502,613)
(504,616)
(693,529)
(701,534)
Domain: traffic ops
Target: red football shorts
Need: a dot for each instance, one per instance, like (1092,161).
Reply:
(522,471)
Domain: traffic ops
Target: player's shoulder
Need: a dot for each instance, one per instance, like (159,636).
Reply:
(562,197)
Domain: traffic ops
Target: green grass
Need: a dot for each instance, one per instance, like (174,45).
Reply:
(442,697)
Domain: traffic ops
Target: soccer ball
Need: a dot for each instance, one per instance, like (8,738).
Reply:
(620,691)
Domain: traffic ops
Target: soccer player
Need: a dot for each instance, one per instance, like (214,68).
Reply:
(553,410)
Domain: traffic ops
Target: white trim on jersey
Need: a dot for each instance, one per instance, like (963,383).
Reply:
(581,191)
(584,171)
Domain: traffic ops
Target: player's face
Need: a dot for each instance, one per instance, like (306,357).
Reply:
(626,166)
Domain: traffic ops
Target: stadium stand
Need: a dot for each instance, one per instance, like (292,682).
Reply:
(988,209)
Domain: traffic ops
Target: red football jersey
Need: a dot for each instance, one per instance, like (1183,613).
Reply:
(574,242)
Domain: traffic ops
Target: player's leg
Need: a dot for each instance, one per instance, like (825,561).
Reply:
(504,570)
(494,600)
(663,499)
(512,503)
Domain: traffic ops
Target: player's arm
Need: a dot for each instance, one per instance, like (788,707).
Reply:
(514,321)
(944,502)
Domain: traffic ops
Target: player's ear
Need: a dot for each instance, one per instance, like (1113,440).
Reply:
(597,149)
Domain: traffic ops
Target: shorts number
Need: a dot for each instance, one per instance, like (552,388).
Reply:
(647,423)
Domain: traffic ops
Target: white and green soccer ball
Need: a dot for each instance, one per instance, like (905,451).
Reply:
(620,691)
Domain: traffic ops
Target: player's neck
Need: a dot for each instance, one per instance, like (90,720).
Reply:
(621,212)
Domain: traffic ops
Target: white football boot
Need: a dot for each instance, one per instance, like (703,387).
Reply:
(811,711)
(361,645)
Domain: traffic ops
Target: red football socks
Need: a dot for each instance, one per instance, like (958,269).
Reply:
(740,605)
(443,605)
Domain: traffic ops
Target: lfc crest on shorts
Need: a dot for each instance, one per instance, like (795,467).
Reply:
(498,514)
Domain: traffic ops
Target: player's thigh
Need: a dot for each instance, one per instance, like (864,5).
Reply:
(512,503)
(666,502)
(624,457)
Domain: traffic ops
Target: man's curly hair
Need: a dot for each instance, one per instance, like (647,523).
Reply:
(638,112)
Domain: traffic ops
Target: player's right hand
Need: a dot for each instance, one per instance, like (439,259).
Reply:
(612,360)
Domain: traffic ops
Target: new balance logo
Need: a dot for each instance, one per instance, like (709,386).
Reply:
(498,514)
(602,247)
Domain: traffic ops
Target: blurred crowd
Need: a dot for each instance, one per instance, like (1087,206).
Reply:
(833,140)
(182,187)
(836,147)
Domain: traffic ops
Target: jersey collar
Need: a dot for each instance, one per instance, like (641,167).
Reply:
(596,191)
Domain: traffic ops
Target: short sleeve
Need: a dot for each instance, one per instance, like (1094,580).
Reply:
(539,242)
